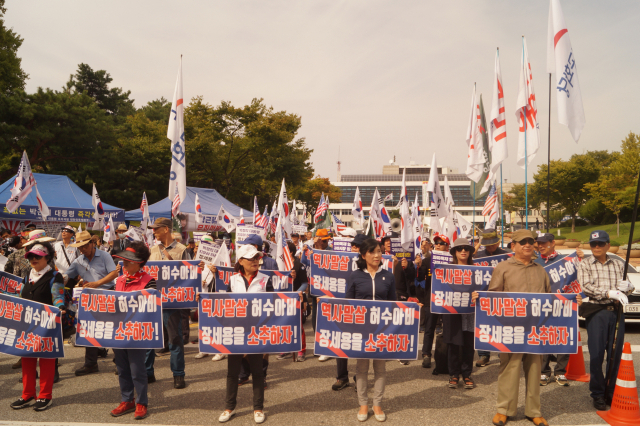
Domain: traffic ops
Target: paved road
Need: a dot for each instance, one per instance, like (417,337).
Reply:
(298,394)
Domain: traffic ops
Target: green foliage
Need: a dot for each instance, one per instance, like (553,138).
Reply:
(314,188)
(12,76)
(594,211)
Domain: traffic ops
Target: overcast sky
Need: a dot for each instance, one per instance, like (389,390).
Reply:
(369,77)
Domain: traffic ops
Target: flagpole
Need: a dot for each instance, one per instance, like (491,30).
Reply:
(549,160)
(526,177)
(501,208)
(473,225)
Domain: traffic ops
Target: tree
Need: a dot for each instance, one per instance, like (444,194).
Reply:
(12,76)
(157,110)
(114,101)
(314,188)
(514,201)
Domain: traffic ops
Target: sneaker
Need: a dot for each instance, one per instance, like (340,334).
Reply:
(544,380)
(42,404)
(21,403)
(218,357)
(301,357)
(201,355)
(141,412)
(242,381)
(426,362)
(87,370)
(258,417)
(282,356)
(125,407)
(340,384)
(226,416)
(562,380)
(324,358)
(483,361)
(403,362)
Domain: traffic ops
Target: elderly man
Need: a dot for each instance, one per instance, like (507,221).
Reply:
(96,270)
(601,278)
(169,249)
(521,275)
(121,242)
(191,247)
(65,253)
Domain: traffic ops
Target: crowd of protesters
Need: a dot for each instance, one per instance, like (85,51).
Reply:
(78,260)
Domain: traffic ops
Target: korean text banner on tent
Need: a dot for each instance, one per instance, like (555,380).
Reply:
(371,329)
(10,284)
(281,281)
(249,323)
(492,260)
(452,285)
(30,329)
(178,281)
(330,271)
(120,319)
(534,323)
(563,275)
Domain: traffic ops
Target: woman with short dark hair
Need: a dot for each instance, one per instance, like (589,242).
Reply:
(370,282)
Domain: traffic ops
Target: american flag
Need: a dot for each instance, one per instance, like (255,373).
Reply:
(257,217)
(144,204)
(338,225)
(175,207)
(322,207)
(491,200)
(263,220)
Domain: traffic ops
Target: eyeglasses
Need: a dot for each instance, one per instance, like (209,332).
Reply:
(34,256)
(593,244)
(525,241)
(462,249)
(440,243)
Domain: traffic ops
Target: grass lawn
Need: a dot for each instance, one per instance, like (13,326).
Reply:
(582,232)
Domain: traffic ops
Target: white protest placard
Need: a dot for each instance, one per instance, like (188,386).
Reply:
(342,243)
(243,232)
(207,252)
(135,234)
(299,229)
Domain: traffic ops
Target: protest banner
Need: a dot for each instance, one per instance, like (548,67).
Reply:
(367,329)
(249,323)
(30,329)
(563,275)
(440,258)
(452,285)
(207,252)
(120,319)
(342,243)
(178,281)
(398,251)
(10,284)
(535,323)
(299,229)
(281,281)
(330,271)
(135,234)
(492,260)
(243,231)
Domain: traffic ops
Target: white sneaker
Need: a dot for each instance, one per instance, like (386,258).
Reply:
(218,357)
(324,358)
(201,355)
(258,416)
(226,416)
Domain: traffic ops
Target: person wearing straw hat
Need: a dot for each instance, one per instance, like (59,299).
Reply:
(121,242)
(132,373)
(96,270)
(601,278)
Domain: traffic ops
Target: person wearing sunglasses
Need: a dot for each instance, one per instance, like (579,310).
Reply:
(519,274)
(601,278)
(440,243)
(458,329)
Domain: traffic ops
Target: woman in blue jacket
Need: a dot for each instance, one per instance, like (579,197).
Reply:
(371,282)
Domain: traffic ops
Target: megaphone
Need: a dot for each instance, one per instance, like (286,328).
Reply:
(396,225)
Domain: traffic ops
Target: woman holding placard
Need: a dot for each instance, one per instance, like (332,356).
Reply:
(371,282)
(458,329)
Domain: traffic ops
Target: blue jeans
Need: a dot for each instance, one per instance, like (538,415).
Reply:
(131,374)
(172,320)
(601,328)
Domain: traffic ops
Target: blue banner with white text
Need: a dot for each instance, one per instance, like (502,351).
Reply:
(563,275)
(492,260)
(452,285)
(367,329)
(30,329)
(534,323)
(249,323)
(10,284)
(120,319)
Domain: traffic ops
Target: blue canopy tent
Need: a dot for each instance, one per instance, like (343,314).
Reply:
(210,202)
(67,202)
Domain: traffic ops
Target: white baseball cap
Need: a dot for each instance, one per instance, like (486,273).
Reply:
(348,232)
(247,251)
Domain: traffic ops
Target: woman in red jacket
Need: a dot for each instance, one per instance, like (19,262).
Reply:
(132,373)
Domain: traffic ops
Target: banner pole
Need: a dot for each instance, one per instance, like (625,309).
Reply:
(549,161)
(501,207)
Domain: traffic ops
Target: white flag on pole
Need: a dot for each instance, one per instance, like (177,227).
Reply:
(464,226)
(497,131)
(283,209)
(222,258)
(476,154)
(109,231)
(526,108)
(226,220)
(24,183)
(437,208)
(448,198)
(175,132)
(98,215)
(406,232)
(374,215)
(562,62)
(417,231)
(198,210)
(356,210)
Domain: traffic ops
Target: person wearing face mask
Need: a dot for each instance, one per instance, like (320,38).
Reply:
(247,279)
(41,284)
(121,242)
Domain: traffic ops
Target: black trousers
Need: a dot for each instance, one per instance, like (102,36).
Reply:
(245,368)
(343,371)
(429,332)
(314,309)
(461,357)
(421,294)
(234,363)
(91,356)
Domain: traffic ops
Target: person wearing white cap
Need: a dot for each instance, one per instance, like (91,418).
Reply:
(65,253)
(247,279)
